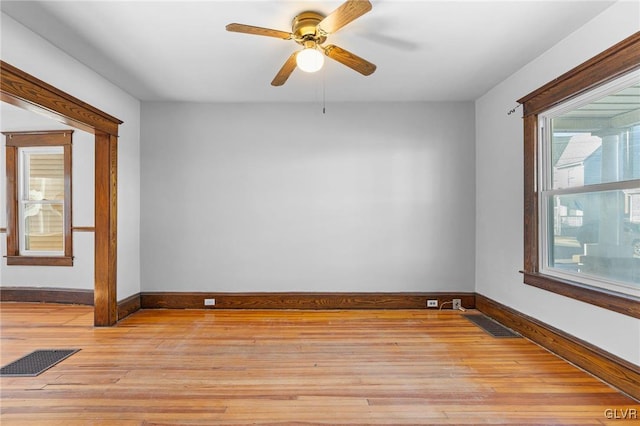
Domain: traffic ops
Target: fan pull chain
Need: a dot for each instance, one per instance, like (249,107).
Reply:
(324,90)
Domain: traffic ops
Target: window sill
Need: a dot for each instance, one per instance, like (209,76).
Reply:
(40,260)
(616,302)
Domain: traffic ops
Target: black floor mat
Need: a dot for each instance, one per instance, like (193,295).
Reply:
(492,327)
(36,362)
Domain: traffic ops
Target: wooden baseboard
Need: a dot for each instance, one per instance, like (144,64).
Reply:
(608,367)
(180,300)
(66,296)
(173,300)
(128,306)
(46,295)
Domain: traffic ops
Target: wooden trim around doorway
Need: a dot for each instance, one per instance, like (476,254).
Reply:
(26,91)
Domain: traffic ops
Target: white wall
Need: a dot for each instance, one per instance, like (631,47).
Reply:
(499,208)
(279,197)
(34,55)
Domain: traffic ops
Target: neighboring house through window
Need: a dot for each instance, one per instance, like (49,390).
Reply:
(38,167)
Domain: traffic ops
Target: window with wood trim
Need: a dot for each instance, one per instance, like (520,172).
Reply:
(582,181)
(38,167)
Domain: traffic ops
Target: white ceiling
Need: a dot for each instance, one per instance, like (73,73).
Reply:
(425,50)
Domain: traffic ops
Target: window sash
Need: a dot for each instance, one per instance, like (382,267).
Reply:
(27,237)
(581,278)
(27,158)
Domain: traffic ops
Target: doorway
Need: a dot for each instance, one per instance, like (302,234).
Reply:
(26,91)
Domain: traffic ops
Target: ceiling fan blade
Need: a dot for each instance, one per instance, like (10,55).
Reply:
(285,71)
(347,12)
(347,58)
(268,32)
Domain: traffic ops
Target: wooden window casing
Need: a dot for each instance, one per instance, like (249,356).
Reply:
(15,141)
(614,62)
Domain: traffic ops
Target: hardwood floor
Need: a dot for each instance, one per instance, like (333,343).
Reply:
(333,367)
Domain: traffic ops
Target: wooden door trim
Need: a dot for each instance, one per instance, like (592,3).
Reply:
(26,91)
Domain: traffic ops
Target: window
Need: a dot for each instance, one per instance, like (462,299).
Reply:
(589,187)
(39,198)
(582,181)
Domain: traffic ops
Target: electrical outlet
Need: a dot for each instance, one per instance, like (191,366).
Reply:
(432,303)
(457,304)
(209,302)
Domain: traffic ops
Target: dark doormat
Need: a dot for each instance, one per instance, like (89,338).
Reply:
(490,326)
(36,362)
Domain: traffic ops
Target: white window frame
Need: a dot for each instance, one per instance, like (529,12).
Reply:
(23,198)
(546,192)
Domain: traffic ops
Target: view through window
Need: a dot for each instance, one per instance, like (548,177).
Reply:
(41,195)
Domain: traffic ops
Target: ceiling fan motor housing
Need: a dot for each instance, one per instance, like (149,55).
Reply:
(305,27)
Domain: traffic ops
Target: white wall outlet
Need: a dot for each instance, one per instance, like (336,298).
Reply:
(457,304)
(432,303)
(209,302)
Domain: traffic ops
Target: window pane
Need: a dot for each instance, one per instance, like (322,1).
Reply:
(43,227)
(596,234)
(598,142)
(45,175)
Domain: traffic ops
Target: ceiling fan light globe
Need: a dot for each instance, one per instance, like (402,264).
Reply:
(310,60)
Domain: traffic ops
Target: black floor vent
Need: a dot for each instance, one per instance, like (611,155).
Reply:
(36,362)
(492,327)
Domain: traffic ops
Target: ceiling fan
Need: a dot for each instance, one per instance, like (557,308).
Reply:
(310,30)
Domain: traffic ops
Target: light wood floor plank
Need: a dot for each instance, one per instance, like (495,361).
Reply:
(201,367)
